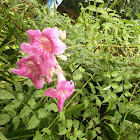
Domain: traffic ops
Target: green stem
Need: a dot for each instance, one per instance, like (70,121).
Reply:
(101,45)
(129,103)
(128,107)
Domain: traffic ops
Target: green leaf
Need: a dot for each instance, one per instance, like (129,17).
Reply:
(53,107)
(9,87)
(38,136)
(46,130)
(101,10)
(75,124)
(96,120)
(28,82)
(77,75)
(20,96)
(110,133)
(4,94)
(114,127)
(25,111)
(42,113)
(127,94)
(100,1)
(92,87)
(2,137)
(86,102)
(98,101)
(114,73)
(79,133)
(76,109)
(63,132)
(118,78)
(4,118)
(119,89)
(94,134)
(90,124)
(106,88)
(33,122)
(128,85)
(69,124)
(18,87)
(110,106)
(91,8)
(107,74)
(114,85)
(98,129)
(16,122)
(32,103)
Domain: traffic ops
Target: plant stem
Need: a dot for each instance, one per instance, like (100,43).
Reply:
(129,103)
(102,45)
(128,107)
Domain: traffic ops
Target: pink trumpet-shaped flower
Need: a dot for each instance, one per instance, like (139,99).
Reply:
(29,67)
(45,45)
(58,71)
(49,76)
(64,91)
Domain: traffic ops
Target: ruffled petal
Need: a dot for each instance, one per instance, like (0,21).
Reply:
(30,67)
(33,36)
(48,61)
(51,33)
(58,47)
(21,72)
(65,88)
(63,85)
(27,48)
(37,81)
(60,103)
(51,92)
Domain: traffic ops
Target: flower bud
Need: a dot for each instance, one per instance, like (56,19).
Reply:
(62,34)
(62,57)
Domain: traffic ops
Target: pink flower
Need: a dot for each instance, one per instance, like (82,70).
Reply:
(49,76)
(45,45)
(29,67)
(58,71)
(64,91)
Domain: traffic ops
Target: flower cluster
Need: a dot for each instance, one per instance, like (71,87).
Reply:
(42,62)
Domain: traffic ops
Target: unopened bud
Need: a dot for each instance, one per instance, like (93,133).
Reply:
(62,34)
(62,57)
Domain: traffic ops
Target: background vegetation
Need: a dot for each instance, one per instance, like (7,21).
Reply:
(103,50)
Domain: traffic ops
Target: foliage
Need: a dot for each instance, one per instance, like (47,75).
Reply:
(103,61)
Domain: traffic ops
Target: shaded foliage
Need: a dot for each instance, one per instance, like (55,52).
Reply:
(103,61)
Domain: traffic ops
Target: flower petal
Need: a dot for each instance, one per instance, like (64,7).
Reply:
(51,92)
(21,72)
(65,89)
(33,36)
(60,103)
(51,33)
(49,76)
(58,47)
(27,48)
(37,81)
(30,67)
(60,78)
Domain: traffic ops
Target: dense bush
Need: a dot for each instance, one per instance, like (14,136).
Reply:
(103,60)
